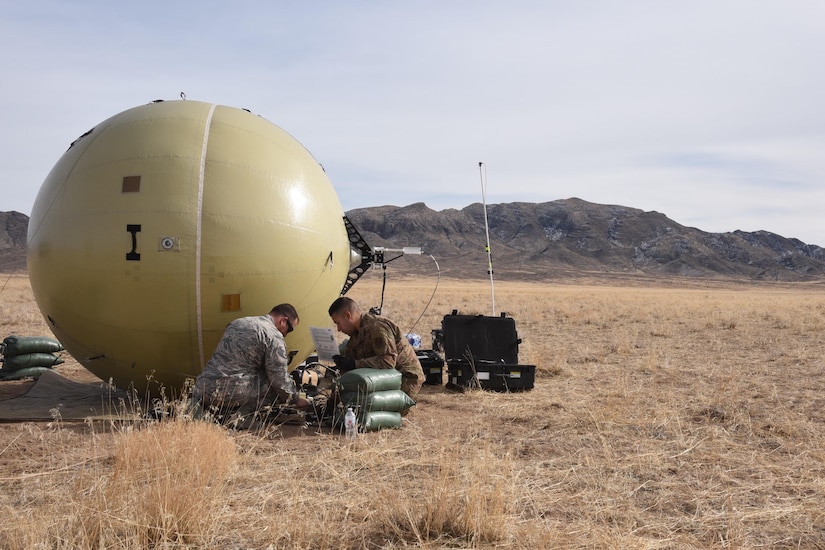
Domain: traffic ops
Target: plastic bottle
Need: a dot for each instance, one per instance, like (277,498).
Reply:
(349,424)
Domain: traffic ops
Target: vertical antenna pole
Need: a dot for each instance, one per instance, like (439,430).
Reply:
(482,173)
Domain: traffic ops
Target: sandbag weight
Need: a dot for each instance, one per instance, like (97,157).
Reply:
(22,345)
(27,360)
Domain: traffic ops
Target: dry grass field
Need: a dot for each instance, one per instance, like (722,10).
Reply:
(663,416)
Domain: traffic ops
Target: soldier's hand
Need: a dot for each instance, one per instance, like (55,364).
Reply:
(344,364)
(300,403)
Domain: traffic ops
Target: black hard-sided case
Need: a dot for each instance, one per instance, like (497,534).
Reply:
(433,366)
(482,352)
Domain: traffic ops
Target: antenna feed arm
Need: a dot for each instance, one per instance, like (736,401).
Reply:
(379,251)
(405,250)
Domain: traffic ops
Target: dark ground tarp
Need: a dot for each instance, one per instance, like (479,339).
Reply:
(54,396)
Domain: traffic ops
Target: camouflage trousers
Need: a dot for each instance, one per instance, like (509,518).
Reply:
(231,393)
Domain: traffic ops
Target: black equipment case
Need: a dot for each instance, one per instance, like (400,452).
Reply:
(433,366)
(482,352)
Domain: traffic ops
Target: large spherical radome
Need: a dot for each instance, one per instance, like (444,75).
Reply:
(167,221)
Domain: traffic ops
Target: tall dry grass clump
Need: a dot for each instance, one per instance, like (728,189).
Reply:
(391,489)
(163,486)
(460,499)
(466,498)
(168,482)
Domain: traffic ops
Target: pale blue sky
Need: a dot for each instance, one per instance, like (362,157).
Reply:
(710,112)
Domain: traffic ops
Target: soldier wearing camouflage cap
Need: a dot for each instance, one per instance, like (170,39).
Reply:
(248,368)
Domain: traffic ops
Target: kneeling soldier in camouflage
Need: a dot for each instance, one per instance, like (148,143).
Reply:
(248,369)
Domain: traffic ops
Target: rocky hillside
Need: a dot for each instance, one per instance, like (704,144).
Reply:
(553,239)
(569,237)
(13,227)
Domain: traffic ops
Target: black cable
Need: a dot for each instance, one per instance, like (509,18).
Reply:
(380,308)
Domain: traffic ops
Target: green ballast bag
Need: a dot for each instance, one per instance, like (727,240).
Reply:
(370,380)
(22,345)
(17,362)
(378,420)
(387,400)
(371,421)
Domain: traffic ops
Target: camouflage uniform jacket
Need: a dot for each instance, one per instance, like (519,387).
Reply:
(249,363)
(379,344)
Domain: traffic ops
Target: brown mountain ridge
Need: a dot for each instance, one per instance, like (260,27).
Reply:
(536,241)
(573,237)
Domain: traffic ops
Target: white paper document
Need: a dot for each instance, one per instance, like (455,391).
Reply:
(325,344)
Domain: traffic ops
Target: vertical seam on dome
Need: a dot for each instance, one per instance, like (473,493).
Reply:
(198,229)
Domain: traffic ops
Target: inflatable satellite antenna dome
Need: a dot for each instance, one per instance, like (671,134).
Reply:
(167,221)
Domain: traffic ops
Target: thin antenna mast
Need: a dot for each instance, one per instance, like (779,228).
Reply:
(482,170)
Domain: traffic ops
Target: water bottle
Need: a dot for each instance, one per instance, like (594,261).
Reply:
(349,424)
